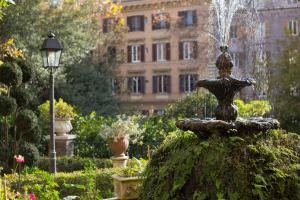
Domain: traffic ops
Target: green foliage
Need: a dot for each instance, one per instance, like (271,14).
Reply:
(30,153)
(134,167)
(88,142)
(194,105)
(262,166)
(285,86)
(70,164)
(64,184)
(27,70)
(8,105)
(26,121)
(22,96)
(62,110)
(255,108)
(10,74)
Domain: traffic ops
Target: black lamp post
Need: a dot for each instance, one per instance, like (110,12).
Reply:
(51,52)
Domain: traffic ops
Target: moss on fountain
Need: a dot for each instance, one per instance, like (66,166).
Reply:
(257,166)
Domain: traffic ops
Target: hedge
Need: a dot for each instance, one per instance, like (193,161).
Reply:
(68,184)
(70,164)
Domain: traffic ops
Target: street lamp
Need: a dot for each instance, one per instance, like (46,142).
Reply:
(51,52)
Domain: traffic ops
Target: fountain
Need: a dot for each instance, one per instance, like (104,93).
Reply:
(226,157)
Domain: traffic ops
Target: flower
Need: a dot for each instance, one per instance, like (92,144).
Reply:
(19,159)
(32,196)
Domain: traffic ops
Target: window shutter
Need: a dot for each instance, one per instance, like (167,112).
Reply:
(142,49)
(180,50)
(154,52)
(153,22)
(181,83)
(168,52)
(155,83)
(195,17)
(181,16)
(142,83)
(129,23)
(129,84)
(129,54)
(142,18)
(105,29)
(168,19)
(194,81)
(195,49)
(167,82)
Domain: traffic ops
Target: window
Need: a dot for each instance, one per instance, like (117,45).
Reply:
(136,23)
(261,30)
(235,59)
(108,25)
(188,18)
(160,21)
(161,84)
(187,82)
(293,27)
(188,50)
(233,31)
(161,52)
(136,84)
(293,1)
(136,53)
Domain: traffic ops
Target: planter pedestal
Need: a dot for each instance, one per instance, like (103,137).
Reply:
(64,145)
(126,187)
(119,161)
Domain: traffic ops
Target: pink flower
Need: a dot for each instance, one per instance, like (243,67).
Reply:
(32,196)
(19,159)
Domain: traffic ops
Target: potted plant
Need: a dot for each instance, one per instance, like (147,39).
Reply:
(118,134)
(128,181)
(64,113)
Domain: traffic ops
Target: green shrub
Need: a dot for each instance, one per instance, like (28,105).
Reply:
(61,108)
(30,153)
(22,96)
(26,70)
(26,121)
(64,184)
(263,166)
(255,108)
(10,74)
(8,105)
(70,164)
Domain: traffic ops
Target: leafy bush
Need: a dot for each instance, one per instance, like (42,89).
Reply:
(27,71)
(10,74)
(255,108)
(88,142)
(194,105)
(8,105)
(26,121)
(22,96)
(62,110)
(70,164)
(64,184)
(263,166)
(30,152)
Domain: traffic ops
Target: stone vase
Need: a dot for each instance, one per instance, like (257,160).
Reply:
(119,146)
(62,126)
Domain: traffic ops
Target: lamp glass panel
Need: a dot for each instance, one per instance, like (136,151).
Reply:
(51,59)
(57,57)
(44,57)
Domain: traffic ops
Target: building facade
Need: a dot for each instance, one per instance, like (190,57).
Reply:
(165,52)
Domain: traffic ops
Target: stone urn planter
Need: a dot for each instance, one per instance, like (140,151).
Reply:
(126,187)
(62,126)
(119,146)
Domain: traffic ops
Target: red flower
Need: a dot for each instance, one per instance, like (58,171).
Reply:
(32,196)
(19,159)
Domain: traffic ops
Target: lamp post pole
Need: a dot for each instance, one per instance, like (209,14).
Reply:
(51,52)
(52,123)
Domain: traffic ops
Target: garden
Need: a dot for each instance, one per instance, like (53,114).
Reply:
(208,145)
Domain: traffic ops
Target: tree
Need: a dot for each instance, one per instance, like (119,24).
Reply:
(285,82)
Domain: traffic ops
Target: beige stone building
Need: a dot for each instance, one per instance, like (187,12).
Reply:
(166,51)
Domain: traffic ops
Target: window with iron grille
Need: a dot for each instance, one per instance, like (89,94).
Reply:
(160,21)
(136,23)
(188,18)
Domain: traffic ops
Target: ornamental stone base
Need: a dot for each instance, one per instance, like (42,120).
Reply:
(64,145)
(126,187)
(119,161)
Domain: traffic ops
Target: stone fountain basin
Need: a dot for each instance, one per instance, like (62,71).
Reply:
(205,128)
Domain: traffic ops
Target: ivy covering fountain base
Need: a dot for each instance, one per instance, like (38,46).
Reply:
(225,158)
